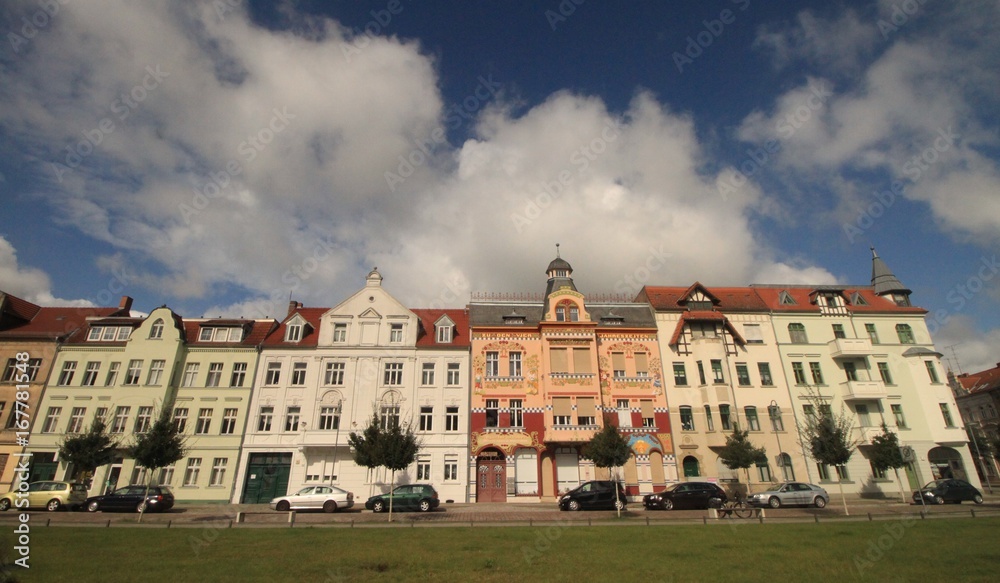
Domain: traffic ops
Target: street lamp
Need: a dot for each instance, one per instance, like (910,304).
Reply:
(774,412)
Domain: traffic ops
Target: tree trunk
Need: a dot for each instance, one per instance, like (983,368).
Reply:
(617,505)
(840,484)
(145,496)
(902,493)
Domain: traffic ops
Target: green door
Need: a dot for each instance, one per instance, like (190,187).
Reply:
(267,477)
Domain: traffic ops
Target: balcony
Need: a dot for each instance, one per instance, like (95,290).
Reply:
(570,433)
(862,390)
(864,435)
(850,347)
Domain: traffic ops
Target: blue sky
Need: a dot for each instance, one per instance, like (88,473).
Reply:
(219,156)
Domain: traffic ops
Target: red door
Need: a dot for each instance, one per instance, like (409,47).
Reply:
(492,476)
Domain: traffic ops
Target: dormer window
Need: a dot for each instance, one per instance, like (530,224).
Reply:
(293,333)
(858,300)
(699,305)
(206,335)
(444,334)
(157,330)
(567,312)
(221,334)
(108,333)
(785,298)
(902,300)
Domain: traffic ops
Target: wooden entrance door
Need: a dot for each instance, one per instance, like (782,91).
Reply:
(492,480)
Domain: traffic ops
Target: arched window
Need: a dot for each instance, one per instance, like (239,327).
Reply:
(567,311)
(797,333)
(905,334)
(157,330)
(787,471)
(691,469)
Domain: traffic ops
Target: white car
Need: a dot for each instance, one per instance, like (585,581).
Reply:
(325,498)
(791,494)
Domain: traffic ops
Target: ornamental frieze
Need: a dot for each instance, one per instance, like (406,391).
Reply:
(506,441)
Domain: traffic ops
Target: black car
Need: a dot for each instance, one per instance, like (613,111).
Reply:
(594,495)
(133,498)
(948,490)
(422,497)
(686,495)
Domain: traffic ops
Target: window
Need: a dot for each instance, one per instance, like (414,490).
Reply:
(51,420)
(180,419)
(444,334)
(214,374)
(883,371)
(646,410)
(155,372)
(851,371)
(709,422)
(897,413)
(293,332)
(559,360)
(774,413)
(785,298)
(239,374)
(515,364)
(932,372)
(66,376)
(335,373)
(717,376)
(724,418)
(872,333)
(878,474)
(687,419)
(752,334)
(112,374)
(191,472)
(329,418)
(562,411)
(17,368)
(156,331)
(454,368)
(228,422)
(143,419)
(390,415)
(90,375)
(190,374)
(864,418)
(824,472)
(492,364)
(75,419)
(340,333)
(120,420)
(292,418)
(218,471)
(799,373)
(797,334)
(204,421)
(785,463)
(133,372)
(427,374)
(167,475)
(393,374)
(586,412)
(516,413)
(842,473)
(618,364)
(905,334)
(946,413)
(264,418)
(838,331)
(205,335)
(450,468)
(492,412)
(423,468)
(743,375)
(680,375)
(764,369)
(701,373)
(451,419)
(817,373)
(426,418)
(764,471)
(395,333)
(273,373)
(298,374)
(624,413)
(753,424)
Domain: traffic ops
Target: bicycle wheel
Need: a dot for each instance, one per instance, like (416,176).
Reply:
(742,510)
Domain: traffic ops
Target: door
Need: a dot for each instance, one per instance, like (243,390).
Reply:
(111,483)
(492,475)
(267,477)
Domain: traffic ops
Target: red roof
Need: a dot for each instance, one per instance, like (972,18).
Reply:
(731,299)
(426,336)
(981,382)
(310,335)
(23,319)
(703,316)
(253,336)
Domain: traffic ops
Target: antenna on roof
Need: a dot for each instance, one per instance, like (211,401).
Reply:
(954,356)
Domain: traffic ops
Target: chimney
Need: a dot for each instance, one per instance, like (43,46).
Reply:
(125,305)
(292,306)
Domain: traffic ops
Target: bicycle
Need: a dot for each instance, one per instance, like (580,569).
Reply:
(737,506)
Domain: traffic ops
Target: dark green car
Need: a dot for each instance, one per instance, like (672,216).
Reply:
(422,497)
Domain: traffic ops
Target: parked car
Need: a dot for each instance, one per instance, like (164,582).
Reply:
(327,498)
(422,497)
(686,495)
(594,495)
(791,494)
(48,495)
(133,498)
(948,490)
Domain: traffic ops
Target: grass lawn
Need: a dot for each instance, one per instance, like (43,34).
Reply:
(915,550)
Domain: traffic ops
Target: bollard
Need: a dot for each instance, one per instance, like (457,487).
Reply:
(48,522)
(240,517)
(230,524)
(816,516)
(530,522)
(922,517)
(647,520)
(704,520)
(869,517)
(291,517)
(760,518)
(168,523)
(973,511)
(109,523)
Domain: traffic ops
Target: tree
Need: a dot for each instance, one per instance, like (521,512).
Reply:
(365,444)
(740,453)
(159,447)
(393,447)
(983,448)
(829,439)
(885,454)
(608,449)
(89,451)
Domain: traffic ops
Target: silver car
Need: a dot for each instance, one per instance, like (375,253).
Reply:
(791,494)
(326,498)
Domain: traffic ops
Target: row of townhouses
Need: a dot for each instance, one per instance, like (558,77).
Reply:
(502,394)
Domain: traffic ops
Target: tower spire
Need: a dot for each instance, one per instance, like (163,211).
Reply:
(886,283)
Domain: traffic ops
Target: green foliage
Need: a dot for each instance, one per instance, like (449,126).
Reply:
(740,453)
(884,453)
(608,448)
(979,440)
(394,447)
(829,436)
(159,447)
(365,444)
(91,450)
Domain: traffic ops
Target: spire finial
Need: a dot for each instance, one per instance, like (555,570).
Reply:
(557,250)
(874,254)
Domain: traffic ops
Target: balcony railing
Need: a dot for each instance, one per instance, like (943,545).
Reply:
(863,390)
(850,347)
(573,433)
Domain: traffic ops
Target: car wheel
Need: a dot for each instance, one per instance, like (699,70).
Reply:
(378,506)
(4,505)
(619,504)
(425,505)
(939,500)
(53,505)
(668,504)
(978,499)
(93,506)
(819,502)
(573,505)
(141,507)
(282,506)
(329,506)
(774,502)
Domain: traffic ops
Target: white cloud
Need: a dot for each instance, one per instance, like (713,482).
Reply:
(28,283)
(965,348)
